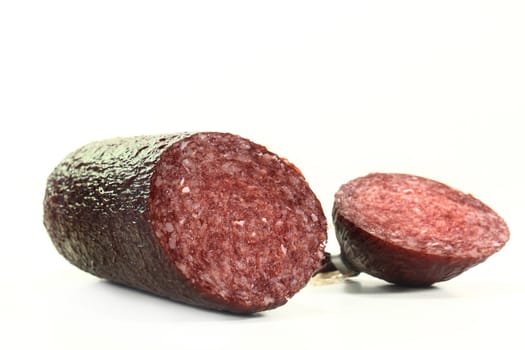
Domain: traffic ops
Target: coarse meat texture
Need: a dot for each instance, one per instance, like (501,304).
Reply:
(236,220)
(412,230)
(209,219)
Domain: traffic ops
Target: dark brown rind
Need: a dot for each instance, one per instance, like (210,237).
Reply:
(367,248)
(97,210)
(96,213)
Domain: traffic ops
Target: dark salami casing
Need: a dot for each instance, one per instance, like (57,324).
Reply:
(413,231)
(209,219)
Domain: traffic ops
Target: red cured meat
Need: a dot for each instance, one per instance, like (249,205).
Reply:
(413,231)
(208,219)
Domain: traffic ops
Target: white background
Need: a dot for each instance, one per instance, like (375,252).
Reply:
(341,88)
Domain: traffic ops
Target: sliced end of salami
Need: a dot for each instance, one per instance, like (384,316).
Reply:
(240,224)
(412,230)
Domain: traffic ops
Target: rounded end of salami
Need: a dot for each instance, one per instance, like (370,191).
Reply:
(238,223)
(414,231)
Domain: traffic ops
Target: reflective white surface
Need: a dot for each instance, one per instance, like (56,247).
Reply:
(339,88)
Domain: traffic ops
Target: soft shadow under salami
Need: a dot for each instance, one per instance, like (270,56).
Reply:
(357,287)
(132,292)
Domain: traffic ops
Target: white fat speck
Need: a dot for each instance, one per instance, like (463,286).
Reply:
(206,277)
(416,210)
(264,220)
(268,300)
(314,217)
(238,222)
(283,249)
(185,189)
(169,227)
(241,265)
(242,157)
(183,145)
(186,163)
(183,268)
(171,242)
(253,234)
(299,212)
(181,183)
(270,156)
(230,168)
(411,242)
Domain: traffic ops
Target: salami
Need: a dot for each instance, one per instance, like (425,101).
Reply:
(413,231)
(209,219)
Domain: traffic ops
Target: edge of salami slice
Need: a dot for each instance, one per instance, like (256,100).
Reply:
(412,230)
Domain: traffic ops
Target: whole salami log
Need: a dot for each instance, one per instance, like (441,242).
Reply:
(413,231)
(209,219)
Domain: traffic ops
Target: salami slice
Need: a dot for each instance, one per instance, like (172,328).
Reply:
(413,231)
(209,219)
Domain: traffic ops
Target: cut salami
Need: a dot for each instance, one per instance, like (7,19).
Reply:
(208,219)
(413,231)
